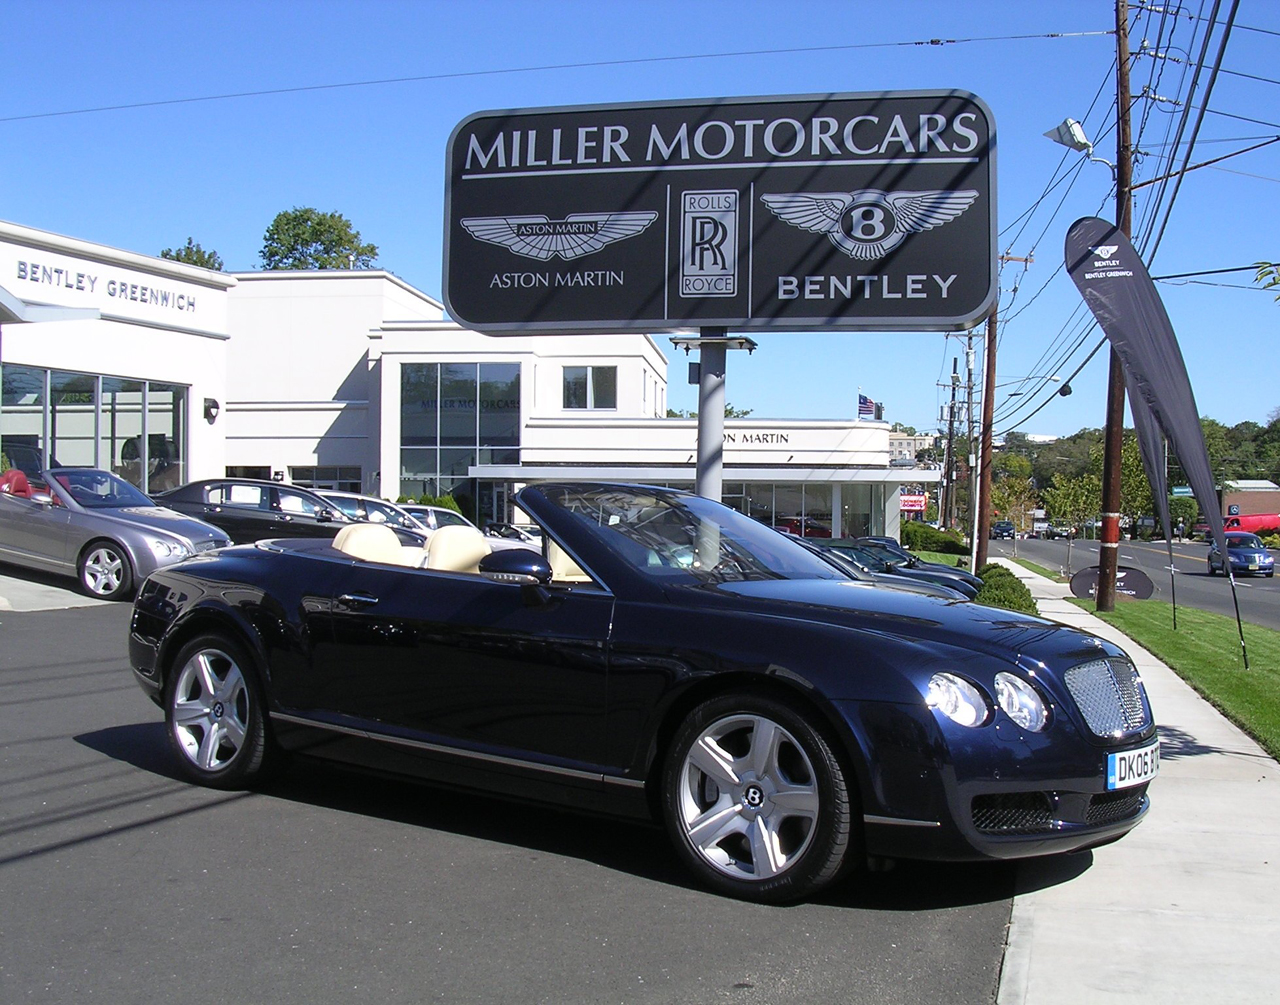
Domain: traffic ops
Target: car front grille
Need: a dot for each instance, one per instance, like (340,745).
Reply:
(1012,813)
(205,546)
(1108,807)
(1021,813)
(1109,695)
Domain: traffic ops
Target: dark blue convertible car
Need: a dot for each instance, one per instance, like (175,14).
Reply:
(664,657)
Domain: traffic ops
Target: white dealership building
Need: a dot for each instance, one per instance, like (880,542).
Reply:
(165,373)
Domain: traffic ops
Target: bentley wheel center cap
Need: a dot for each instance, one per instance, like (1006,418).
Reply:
(753,796)
(217,710)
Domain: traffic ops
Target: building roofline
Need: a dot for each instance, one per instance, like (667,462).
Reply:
(16,233)
(304,274)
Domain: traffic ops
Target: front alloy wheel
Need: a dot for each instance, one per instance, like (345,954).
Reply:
(756,802)
(105,571)
(214,715)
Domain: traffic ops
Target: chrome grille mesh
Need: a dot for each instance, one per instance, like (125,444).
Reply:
(205,546)
(1109,696)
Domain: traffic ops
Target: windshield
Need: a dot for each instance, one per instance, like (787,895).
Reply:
(1244,541)
(95,489)
(678,537)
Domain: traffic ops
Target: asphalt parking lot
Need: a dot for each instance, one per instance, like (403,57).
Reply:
(123,884)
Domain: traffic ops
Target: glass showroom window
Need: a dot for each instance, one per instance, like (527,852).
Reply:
(452,417)
(590,387)
(22,427)
(121,410)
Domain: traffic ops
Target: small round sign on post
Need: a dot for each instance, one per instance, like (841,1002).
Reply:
(1132,583)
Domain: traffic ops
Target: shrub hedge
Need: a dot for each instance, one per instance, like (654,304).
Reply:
(920,536)
(1001,588)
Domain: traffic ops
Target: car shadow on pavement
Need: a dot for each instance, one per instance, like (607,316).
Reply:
(638,849)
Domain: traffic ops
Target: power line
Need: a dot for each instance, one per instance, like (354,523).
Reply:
(551,66)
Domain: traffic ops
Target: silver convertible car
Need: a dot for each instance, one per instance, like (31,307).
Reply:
(95,526)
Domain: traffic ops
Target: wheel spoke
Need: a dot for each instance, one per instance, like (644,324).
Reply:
(231,685)
(796,801)
(209,746)
(766,858)
(708,757)
(713,826)
(208,680)
(191,713)
(765,737)
(233,729)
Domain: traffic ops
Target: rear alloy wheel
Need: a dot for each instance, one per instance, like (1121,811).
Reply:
(214,714)
(755,800)
(105,572)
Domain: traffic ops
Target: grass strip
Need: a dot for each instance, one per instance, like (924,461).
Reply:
(937,556)
(1205,652)
(1041,570)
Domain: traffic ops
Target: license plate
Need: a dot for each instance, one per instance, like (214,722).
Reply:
(1133,767)
(1253,566)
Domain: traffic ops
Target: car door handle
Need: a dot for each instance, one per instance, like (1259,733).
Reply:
(357,600)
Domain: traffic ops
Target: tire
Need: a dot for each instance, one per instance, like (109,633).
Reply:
(742,840)
(104,571)
(214,714)
(1212,571)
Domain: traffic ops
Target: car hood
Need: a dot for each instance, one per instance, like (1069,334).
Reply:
(915,618)
(160,518)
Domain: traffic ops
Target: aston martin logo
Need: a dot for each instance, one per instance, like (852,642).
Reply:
(868,224)
(543,238)
(1105,250)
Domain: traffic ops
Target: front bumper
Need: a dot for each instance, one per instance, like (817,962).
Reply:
(991,793)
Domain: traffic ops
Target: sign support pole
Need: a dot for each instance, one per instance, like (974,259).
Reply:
(711,358)
(713,345)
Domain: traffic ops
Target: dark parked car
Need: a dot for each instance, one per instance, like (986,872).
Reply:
(896,555)
(1003,528)
(878,561)
(664,656)
(92,525)
(251,510)
(372,510)
(846,563)
(1247,554)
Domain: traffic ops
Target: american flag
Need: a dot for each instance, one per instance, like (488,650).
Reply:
(865,406)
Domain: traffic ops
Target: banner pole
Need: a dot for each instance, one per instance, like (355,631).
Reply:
(1236,600)
(1173,590)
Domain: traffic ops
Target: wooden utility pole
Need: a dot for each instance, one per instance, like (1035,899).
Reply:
(1109,553)
(988,419)
(947,512)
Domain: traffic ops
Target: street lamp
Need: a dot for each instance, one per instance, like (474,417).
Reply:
(1071,134)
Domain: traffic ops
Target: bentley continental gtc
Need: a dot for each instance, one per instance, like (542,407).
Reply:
(666,658)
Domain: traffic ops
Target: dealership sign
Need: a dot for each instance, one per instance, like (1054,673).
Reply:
(848,211)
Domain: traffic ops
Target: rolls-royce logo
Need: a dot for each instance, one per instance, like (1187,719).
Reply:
(868,224)
(542,238)
(1105,250)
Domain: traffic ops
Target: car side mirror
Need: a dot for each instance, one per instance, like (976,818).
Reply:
(43,498)
(324,516)
(516,565)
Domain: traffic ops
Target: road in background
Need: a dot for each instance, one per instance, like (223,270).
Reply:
(126,884)
(1259,596)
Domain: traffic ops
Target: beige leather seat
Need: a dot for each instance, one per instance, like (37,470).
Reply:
(563,568)
(456,549)
(376,542)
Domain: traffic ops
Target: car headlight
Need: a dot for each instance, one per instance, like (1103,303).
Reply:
(169,549)
(1021,702)
(957,699)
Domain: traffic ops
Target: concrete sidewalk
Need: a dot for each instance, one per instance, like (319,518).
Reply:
(1186,908)
(34,591)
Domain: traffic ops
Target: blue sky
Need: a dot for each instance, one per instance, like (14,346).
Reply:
(147,178)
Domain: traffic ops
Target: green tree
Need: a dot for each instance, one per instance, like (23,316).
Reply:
(193,254)
(1006,465)
(1135,490)
(898,427)
(1073,500)
(305,238)
(1013,499)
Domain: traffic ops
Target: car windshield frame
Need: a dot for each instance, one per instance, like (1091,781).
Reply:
(1250,542)
(83,487)
(664,534)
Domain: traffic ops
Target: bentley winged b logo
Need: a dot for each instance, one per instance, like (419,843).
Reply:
(1105,250)
(543,238)
(869,223)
